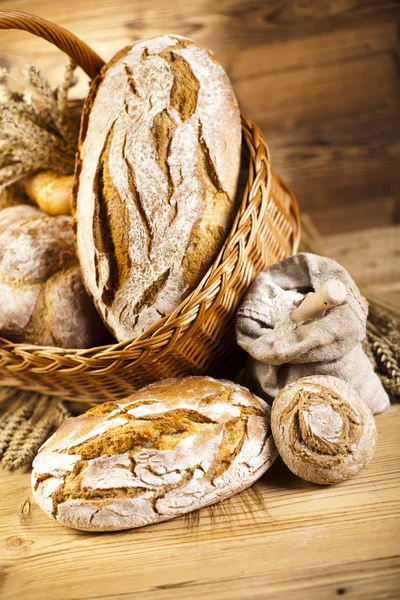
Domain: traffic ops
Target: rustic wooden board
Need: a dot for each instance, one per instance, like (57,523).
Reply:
(320,77)
(282,537)
(285,538)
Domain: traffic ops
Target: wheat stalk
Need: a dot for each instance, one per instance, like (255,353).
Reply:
(27,420)
(36,130)
(11,421)
(25,444)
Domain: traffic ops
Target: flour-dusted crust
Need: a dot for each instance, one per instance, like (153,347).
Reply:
(42,296)
(171,448)
(322,429)
(156,178)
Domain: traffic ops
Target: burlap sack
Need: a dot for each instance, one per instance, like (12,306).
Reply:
(281,351)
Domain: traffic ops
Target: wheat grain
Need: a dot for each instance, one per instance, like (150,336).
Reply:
(25,444)
(27,420)
(36,130)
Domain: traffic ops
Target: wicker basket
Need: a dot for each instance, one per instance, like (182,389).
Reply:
(198,337)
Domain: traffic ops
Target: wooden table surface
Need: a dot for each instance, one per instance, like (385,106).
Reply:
(282,539)
(322,79)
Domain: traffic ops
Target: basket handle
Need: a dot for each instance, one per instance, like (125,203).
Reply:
(69,43)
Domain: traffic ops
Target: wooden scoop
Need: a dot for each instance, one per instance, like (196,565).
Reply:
(330,294)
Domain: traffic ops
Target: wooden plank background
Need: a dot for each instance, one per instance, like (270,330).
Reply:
(321,77)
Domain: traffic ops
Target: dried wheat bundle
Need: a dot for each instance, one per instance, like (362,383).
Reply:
(26,420)
(382,343)
(37,132)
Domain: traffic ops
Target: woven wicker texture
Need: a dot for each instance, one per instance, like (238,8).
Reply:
(80,52)
(198,337)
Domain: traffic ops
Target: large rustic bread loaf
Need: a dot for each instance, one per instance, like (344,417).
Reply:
(156,179)
(172,447)
(42,296)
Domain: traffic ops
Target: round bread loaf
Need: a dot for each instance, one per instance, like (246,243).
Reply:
(322,429)
(170,448)
(156,179)
(42,296)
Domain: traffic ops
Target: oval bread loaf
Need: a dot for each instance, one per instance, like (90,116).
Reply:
(42,296)
(172,447)
(156,179)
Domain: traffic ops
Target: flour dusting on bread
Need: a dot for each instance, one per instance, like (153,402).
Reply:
(172,447)
(156,180)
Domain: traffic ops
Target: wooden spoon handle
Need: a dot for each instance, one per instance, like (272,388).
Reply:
(330,294)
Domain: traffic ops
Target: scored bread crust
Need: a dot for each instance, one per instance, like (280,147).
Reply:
(171,448)
(156,179)
(324,432)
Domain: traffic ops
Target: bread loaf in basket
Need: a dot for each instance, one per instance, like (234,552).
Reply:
(157,173)
(197,337)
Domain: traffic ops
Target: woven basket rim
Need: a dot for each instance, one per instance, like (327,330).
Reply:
(158,335)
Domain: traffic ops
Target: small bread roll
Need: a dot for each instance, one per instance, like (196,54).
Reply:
(322,429)
(50,191)
(170,448)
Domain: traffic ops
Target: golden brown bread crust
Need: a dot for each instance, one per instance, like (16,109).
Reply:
(155,179)
(42,297)
(170,448)
(322,429)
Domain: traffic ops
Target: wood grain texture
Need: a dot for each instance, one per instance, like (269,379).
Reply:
(283,538)
(320,77)
(372,257)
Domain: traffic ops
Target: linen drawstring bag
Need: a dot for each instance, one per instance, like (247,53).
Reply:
(282,351)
